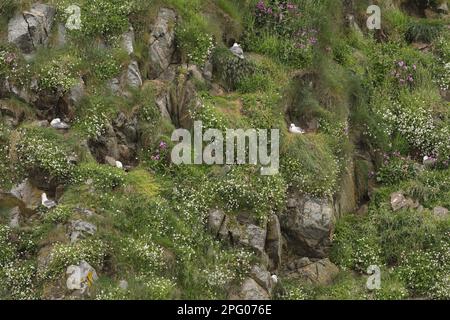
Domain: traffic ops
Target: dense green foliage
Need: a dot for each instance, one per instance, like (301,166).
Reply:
(356,92)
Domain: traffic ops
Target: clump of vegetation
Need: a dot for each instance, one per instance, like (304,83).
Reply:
(314,172)
(13,67)
(424,31)
(395,169)
(99,17)
(41,149)
(231,69)
(427,272)
(64,255)
(243,189)
(58,73)
(195,44)
(103,177)
(60,214)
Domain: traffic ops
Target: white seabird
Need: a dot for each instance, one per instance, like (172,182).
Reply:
(46,202)
(119,164)
(237,50)
(296,130)
(274,279)
(58,124)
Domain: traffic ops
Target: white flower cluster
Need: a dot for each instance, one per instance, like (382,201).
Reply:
(37,151)
(218,276)
(157,288)
(366,254)
(427,272)
(443,78)
(144,250)
(414,120)
(63,255)
(58,74)
(18,279)
(93,124)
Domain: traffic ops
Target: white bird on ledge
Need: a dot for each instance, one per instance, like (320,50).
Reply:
(46,202)
(58,124)
(296,130)
(237,50)
(119,164)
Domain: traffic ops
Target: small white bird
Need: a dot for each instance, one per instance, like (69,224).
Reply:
(237,50)
(46,202)
(296,130)
(274,279)
(119,164)
(58,124)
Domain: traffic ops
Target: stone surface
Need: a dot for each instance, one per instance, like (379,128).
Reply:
(128,39)
(162,42)
(274,242)
(77,92)
(321,272)
(14,214)
(81,277)
(251,290)
(123,284)
(110,160)
(399,201)
(302,262)
(441,212)
(215,220)
(237,233)
(30,29)
(308,225)
(28,194)
(133,75)
(81,229)
(262,277)
(254,237)
(84,211)
(443,7)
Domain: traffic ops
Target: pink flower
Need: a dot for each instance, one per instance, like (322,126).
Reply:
(10,58)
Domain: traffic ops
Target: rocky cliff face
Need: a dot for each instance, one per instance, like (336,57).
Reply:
(116,204)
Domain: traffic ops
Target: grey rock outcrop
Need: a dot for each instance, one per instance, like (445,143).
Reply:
(81,277)
(321,272)
(251,290)
(128,39)
(81,229)
(308,224)
(133,75)
(215,220)
(15,218)
(162,42)
(441,212)
(263,278)
(28,194)
(228,228)
(30,29)
(399,201)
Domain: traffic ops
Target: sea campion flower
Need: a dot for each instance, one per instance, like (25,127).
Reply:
(404,73)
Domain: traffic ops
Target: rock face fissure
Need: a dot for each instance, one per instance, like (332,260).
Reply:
(30,32)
